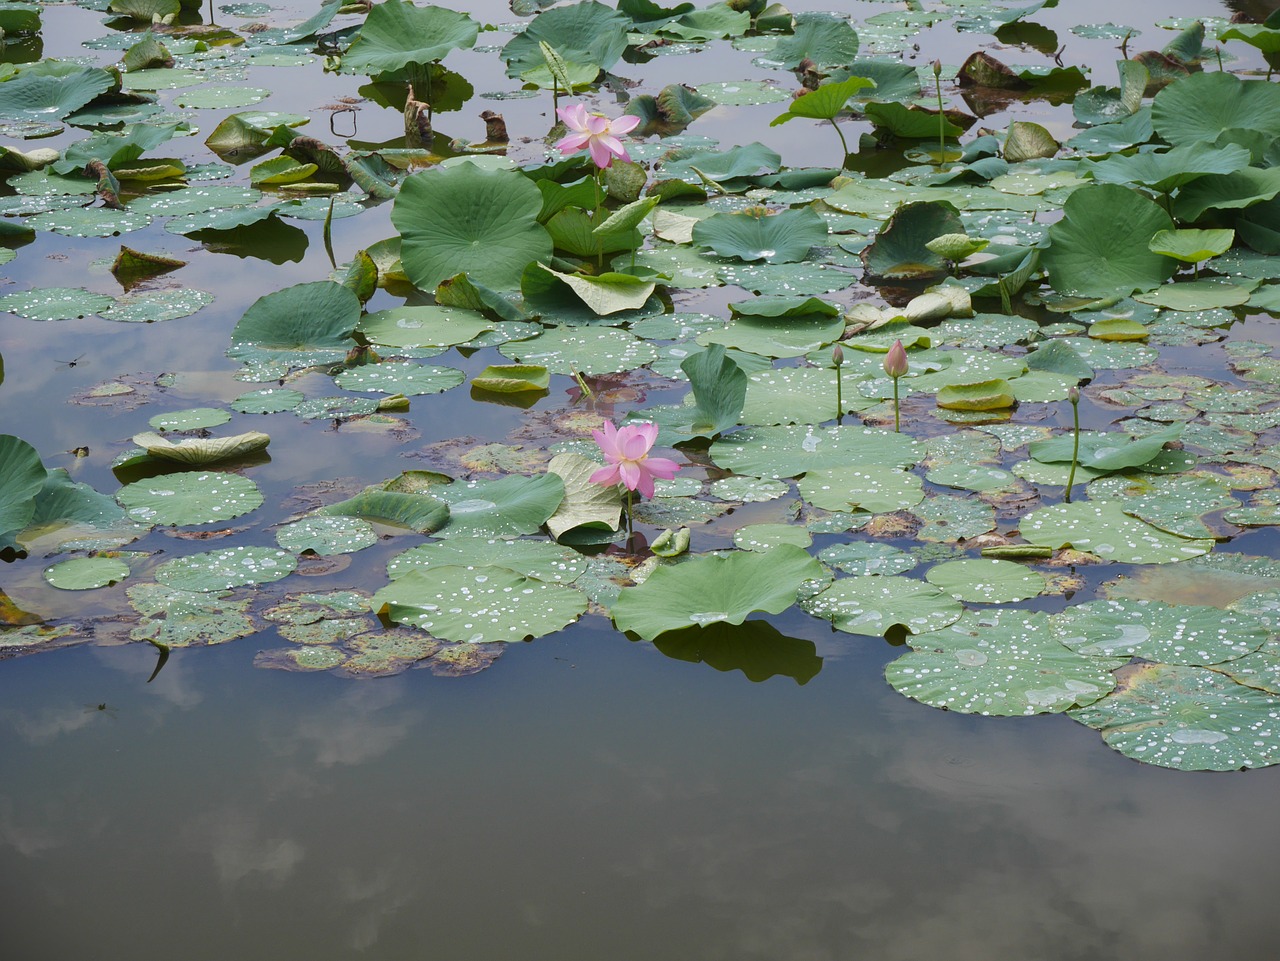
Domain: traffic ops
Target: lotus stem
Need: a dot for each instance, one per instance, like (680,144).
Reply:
(897,420)
(837,358)
(843,143)
(631,524)
(595,218)
(942,118)
(582,384)
(1073,395)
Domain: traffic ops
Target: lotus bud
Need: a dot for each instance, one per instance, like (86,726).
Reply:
(1073,394)
(895,362)
(837,355)
(937,68)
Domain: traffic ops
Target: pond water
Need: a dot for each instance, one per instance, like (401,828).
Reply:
(763,794)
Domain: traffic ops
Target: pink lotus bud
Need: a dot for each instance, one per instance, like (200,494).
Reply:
(837,355)
(1073,394)
(895,362)
(937,68)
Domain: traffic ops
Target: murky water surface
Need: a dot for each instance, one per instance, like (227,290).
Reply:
(586,797)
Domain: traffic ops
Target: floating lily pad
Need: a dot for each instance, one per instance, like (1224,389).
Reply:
(55,303)
(479,604)
(862,488)
(765,537)
(1106,530)
(1181,634)
(86,573)
(872,605)
(1187,718)
(710,590)
(327,535)
(268,400)
(226,568)
(400,378)
(792,450)
(197,418)
(564,350)
(986,581)
(999,663)
(155,306)
(867,557)
(180,618)
(199,497)
(547,562)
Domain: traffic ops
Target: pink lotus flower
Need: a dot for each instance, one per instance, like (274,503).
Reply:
(627,451)
(596,132)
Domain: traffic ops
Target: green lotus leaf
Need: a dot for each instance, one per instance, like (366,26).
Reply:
(893,80)
(719,389)
(986,580)
(789,451)
(866,558)
(709,590)
(910,123)
(1192,246)
(86,573)
(756,648)
(1207,293)
(778,336)
(1028,141)
(971,477)
(199,497)
(596,507)
(1244,188)
(1000,663)
(1197,108)
(226,568)
(249,129)
(466,220)
(299,326)
(512,379)
(872,605)
(55,303)
(197,418)
(396,34)
(21,477)
(744,93)
(32,96)
(1106,530)
(546,562)
(872,489)
(752,160)
(797,395)
(71,516)
(1182,634)
(507,507)
(148,11)
(1101,245)
(157,306)
(900,249)
(268,400)
(221,97)
(765,537)
(479,604)
(327,535)
(1100,105)
(424,325)
(825,40)
(1165,172)
(581,33)
(418,512)
(1186,718)
(607,293)
(994,394)
(179,618)
(824,103)
(784,237)
(280,170)
(202,450)
(115,150)
(564,350)
(400,378)
(1106,451)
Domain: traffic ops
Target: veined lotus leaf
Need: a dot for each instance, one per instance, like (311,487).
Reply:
(1197,108)
(948,518)
(32,96)
(715,22)
(756,648)
(156,306)
(396,34)
(86,573)
(199,497)
(748,490)
(777,336)
(564,350)
(970,477)
(464,219)
(1193,246)
(996,394)
(1107,138)
(418,512)
(268,400)
(1101,245)
(825,40)
(751,160)
(89,222)
(507,507)
(226,568)
(400,378)
(329,408)
(900,248)
(55,303)
(784,237)
(425,325)
(607,293)
(1207,293)
(21,477)
(594,506)
(581,33)
(547,562)
(202,450)
(798,395)
(1059,357)
(1165,172)
(327,535)
(789,451)
(1172,634)
(221,97)
(871,605)
(249,129)
(197,418)
(115,150)
(709,590)
(873,489)
(299,326)
(179,618)
(911,123)
(1187,718)
(955,248)
(1106,530)
(1106,451)
(765,537)
(986,581)
(1000,663)
(512,379)
(479,604)
(280,170)
(1028,141)
(824,103)
(674,108)
(867,558)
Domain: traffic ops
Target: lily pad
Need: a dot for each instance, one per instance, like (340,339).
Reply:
(789,451)
(226,568)
(86,573)
(862,488)
(872,605)
(199,497)
(1182,634)
(327,535)
(55,303)
(1101,246)
(400,378)
(547,562)
(1106,530)
(986,581)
